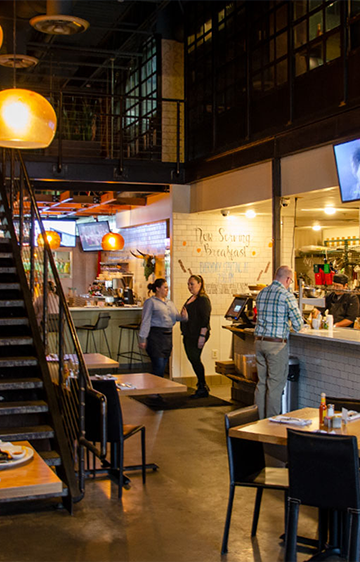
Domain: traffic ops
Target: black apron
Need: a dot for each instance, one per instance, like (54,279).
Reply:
(159,342)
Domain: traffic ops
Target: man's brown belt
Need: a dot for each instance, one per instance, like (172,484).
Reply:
(266,338)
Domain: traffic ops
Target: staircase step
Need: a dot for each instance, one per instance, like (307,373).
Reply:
(9,286)
(12,303)
(20,384)
(5,255)
(20,321)
(7,269)
(16,340)
(52,458)
(4,240)
(18,362)
(26,433)
(29,407)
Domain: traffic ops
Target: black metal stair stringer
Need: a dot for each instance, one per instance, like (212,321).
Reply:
(9,249)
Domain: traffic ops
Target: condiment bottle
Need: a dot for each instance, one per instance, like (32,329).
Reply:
(322,409)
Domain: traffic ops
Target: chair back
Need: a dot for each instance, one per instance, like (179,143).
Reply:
(348,403)
(102,321)
(246,458)
(324,469)
(114,413)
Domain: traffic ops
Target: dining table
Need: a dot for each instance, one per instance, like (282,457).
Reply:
(266,431)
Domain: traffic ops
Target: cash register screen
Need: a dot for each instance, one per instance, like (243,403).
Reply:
(236,308)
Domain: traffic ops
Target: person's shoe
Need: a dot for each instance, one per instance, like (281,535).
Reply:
(201,392)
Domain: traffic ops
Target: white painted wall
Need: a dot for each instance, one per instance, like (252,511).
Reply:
(308,171)
(238,187)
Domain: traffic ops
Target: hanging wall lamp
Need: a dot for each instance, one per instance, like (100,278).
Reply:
(112,241)
(52,237)
(27,119)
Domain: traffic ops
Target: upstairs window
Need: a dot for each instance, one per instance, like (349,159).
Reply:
(316,33)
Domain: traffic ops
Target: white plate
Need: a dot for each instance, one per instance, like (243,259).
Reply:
(29,453)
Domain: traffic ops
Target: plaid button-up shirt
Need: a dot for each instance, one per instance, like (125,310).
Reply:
(276,306)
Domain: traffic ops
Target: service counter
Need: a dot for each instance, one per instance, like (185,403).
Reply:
(329,361)
(127,314)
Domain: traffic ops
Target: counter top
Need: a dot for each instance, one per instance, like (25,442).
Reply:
(107,308)
(343,335)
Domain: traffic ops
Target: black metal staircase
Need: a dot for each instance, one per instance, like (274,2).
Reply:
(39,403)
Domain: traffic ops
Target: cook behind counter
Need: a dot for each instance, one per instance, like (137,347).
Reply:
(344,307)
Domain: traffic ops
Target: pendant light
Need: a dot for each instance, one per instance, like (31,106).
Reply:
(27,119)
(53,238)
(112,241)
(1,36)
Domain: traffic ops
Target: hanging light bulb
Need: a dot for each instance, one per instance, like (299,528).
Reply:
(52,237)
(27,119)
(112,241)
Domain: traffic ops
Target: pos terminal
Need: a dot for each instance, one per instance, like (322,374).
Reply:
(241,311)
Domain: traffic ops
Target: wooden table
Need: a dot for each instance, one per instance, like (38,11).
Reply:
(145,384)
(266,431)
(93,361)
(98,361)
(33,478)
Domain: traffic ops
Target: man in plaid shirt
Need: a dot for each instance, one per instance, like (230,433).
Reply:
(275,307)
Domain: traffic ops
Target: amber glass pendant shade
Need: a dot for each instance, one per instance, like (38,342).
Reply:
(53,239)
(112,241)
(27,119)
(1,36)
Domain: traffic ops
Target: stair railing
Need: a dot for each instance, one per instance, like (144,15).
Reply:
(64,357)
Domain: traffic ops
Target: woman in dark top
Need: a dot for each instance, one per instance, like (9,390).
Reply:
(196,330)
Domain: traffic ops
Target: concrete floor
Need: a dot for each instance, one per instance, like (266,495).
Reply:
(178,516)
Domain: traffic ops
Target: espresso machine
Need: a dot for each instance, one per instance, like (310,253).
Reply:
(127,281)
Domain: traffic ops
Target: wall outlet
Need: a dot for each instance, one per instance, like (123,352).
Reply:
(214,354)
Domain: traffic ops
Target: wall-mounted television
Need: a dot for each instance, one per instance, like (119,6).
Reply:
(91,234)
(65,228)
(347,158)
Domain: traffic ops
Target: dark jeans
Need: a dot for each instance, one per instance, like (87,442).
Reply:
(193,353)
(158,365)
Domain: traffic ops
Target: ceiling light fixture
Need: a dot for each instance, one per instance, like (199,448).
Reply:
(329,210)
(316,227)
(250,214)
(112,242)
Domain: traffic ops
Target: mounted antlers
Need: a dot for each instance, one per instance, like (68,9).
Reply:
(148,261)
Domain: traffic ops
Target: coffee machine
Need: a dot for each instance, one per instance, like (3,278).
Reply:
(127,281)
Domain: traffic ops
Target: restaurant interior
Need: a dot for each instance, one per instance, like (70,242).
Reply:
(158,138)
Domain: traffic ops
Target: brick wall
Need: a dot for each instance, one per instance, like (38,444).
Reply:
(230,253)
(326,366)
(148,239)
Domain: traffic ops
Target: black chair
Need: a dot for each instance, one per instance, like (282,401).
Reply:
(101,324)
(117,431)
(131,353)
(324,473)
(348,403)
(247,467)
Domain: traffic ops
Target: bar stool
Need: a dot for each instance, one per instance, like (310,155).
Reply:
(101,324)
(132,354)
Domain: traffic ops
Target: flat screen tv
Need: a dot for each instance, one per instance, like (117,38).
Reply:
(347,158)
(91,234)
(65,228)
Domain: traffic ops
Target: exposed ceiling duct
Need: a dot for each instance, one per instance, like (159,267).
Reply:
(57,20)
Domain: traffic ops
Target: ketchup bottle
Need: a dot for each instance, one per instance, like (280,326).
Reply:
(322,409)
